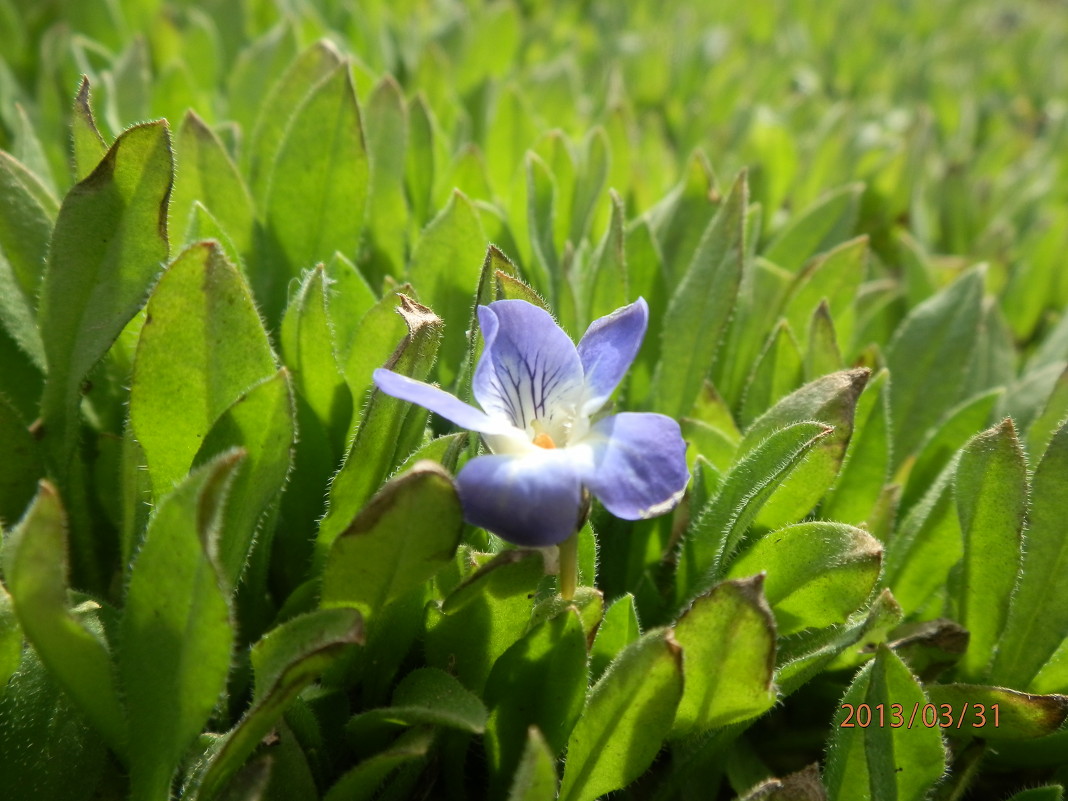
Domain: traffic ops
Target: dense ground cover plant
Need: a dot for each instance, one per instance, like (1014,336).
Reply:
(234,568)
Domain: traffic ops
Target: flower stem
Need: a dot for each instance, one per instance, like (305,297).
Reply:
(568,567)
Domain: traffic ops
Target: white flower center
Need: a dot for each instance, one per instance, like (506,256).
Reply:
(563,427)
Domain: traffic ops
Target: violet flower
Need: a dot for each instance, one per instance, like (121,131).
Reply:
(538,394)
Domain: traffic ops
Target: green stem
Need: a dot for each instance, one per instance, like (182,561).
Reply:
(568,567)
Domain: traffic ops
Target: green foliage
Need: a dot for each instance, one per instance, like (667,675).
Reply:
(35,572)
(174,673)
(883,761)
(628,713)
(728,642)
(384,552)
(233,569)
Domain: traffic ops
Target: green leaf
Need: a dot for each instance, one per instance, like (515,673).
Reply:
(1025,398)
(728,657)
(777,372)
(1053,349)
(349,298)
(129,86)
(291,769)
(826,223)
(834,277)
(645,278)
(804,656)
(466,174)
(424,152)
(285,661)
(512,131)
(608,272)
(822,355)
(883,761)
(256,68)
(22,464)
(628,714)
(391,643)
(540,681)
(10,639)
(362,782)
(588,601)
(1050,792)
(484,616)
(250,783)
(917,269)
(680,220)
(618,629)
(535,776)
(701,306)
(203,225)
(1038,615)
(754,317)
(389,430)
(712,409)
(136,495)
(109,241)
(446,265)
(176,629)
(1045,424)
(771,145)
(89,147)
(994,358)
(260,422)
(707,480)
(376,337)
(288,650)
(926,545)
(818,573)
(426,696)
(317,199)
(831,400)
(27,148)
(48,745)
(709,442)
(593,163)
(27,214)
(408,532)
(996,713)
(308,344)
(943,441)
(555,228)
(202,346)
(445,450)
(540,216)
(209,175)
(928,357)
(35,572)
(308,70)
(866,465)
(387,143)
(991,493)
(512,288)
(714,535)
(587,556)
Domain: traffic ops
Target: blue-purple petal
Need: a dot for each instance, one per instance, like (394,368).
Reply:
(639,464)
(529,367)
(608,348)
(530,500)
(438,401)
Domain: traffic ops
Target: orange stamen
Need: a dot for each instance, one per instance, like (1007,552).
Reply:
(544,441)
